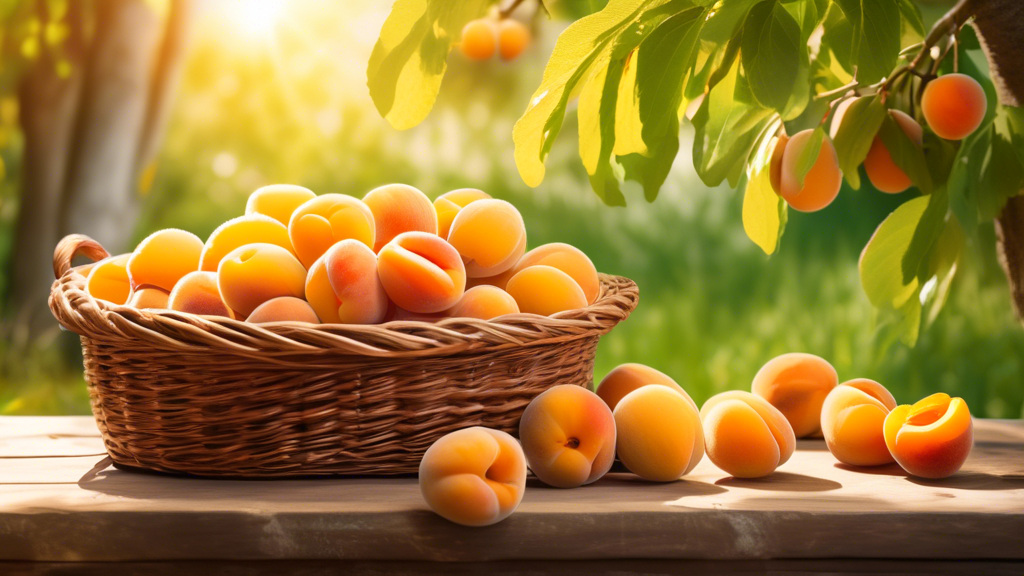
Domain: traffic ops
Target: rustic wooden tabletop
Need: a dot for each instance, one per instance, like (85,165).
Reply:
(61,501)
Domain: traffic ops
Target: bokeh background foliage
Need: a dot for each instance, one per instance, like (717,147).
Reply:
(276,92)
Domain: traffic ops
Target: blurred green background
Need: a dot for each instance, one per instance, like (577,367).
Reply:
(280,96)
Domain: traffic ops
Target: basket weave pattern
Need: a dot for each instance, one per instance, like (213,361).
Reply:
(210,396)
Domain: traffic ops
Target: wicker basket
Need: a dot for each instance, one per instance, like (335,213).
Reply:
(210,396)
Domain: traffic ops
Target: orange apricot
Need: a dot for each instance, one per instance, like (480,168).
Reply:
(421,272)
(775,165)
(821,184)
(252,274)
(797,385)
(884,174)
(568,259)
(745,435)
(498,280)
(149,298)
(484,302)
(108,280)
(852,421)
(513,38)
(283,309)
(545,290)
(325,220)
(164,257)
(932,438)
(474,476)
(399,208)
(197,293)
(278,201)
(490,235)
(449,204)
(343,286)
(479,39)
(568,436)
(628,377)
(953,105)
(659,433)
(237,232)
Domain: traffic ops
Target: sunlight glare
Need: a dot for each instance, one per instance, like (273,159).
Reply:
(258,18)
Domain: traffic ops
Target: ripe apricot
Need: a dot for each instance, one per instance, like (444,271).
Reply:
(237,232)
(399,208)
(745,435)
(278,201)
(931,438)
(628,377)
(108,280)
(484,302)
(474,476)
(775,166)
(659,433)
(343,286)
(953,105)
(797,385)
(545,290)
(479,39)
(252,274)
(498,280)
(421,272)
(852,421)
(490,235)
(283,309)
(568,436)
(164,257)
(822,182)
(447,206)
(197,293)
(884,174)
(325,220)
(568,259)
(513,38)
(149,298)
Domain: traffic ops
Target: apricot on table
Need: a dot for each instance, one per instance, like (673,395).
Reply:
(399,208)
(252,274)
(484,302)
(659,435)
(474,476)
(197,293)
(283,309)
(237,232)
(625,378)
(568,436)
(884,174)
(449,204)
(149,298)
(545,290)
(108,280)
(490,235)
(421,272)
(164,257)
(278,201)
(797,385)
(744,435)
(325,220)
(953,105)
(932,438)
(343,286)
(821,184)
(479,39)
(852,421)
(513,38)
(568,259)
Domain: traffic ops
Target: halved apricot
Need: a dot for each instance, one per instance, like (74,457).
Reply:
(931,438)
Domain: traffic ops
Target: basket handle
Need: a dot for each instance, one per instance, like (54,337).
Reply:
(74,245)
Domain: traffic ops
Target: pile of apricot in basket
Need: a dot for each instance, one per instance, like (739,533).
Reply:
(333,258)
(570,436)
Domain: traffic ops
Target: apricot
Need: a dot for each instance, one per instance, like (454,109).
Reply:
(490,235)
(474,476)
(479,39)
(498,280)
(568,259)
(252,274)
(283,309)
(837,116)
(932,438)
(797,385)
(449,204)
(197,293)
(822,182)
(513,38)
(484,302)
(568,436)
(237,232)
(149,298)
(659,433)
(108,280)
(325,220)
(744,435)
(421,272)
(278,201)
(399,208)
(884,174)
(545,290)
(953,105)
(775,165)
(628,377)
(343,286)
(852,420)
(164,257)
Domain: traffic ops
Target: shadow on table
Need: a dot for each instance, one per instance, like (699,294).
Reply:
(973,481)
(782,482)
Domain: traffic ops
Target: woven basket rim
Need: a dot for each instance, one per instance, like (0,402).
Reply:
(79,312)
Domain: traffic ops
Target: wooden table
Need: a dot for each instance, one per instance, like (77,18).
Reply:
(62,502)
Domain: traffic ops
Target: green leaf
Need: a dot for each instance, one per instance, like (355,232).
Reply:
(906,154)
(913,25)
(865,34)
(410,57)
(597,137)
(572,9)
(808,156)
(770,51)
(628,127)
(932,221)
(940,155)
(857,130)
(764,211)
(881,273)
(667,56)
(942,268)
